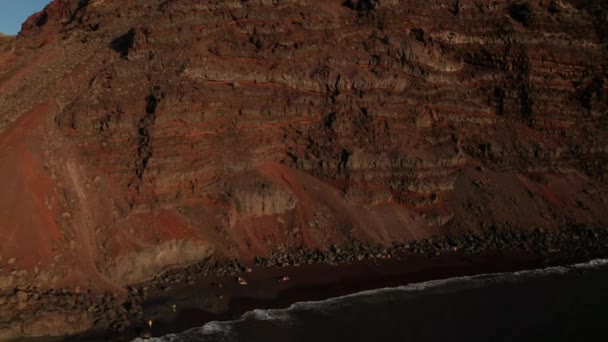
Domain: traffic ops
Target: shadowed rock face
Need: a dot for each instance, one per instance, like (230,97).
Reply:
(159,132)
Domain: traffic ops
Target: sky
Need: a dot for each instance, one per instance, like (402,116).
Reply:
(14,12)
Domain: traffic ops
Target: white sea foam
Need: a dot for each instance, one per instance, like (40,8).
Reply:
(276,315)
(212,331)
(222,331)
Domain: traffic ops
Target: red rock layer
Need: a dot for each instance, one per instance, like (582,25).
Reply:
(139,134)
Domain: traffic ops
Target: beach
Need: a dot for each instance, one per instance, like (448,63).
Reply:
(559,303)
(189,297)
(185,306)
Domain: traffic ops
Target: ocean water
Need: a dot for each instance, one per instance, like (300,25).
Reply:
(567,303)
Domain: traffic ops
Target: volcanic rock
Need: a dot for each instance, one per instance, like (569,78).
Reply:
(145,134)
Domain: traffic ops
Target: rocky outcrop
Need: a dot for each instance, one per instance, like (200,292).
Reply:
(128,128)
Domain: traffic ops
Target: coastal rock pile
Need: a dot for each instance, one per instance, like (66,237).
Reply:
(573,243)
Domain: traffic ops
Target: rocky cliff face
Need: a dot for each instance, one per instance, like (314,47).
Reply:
(145,133)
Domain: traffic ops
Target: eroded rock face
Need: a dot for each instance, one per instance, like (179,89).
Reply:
(246,127)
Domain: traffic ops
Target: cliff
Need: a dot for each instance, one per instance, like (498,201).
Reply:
(140,134)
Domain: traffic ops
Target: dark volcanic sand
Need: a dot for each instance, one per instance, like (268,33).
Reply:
(199,303)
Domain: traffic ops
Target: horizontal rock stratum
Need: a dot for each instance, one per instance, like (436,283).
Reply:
(140,134)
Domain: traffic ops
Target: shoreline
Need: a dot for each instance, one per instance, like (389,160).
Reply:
(307,283)
(185,298)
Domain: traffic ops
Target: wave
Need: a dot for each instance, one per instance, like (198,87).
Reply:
(224,331)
